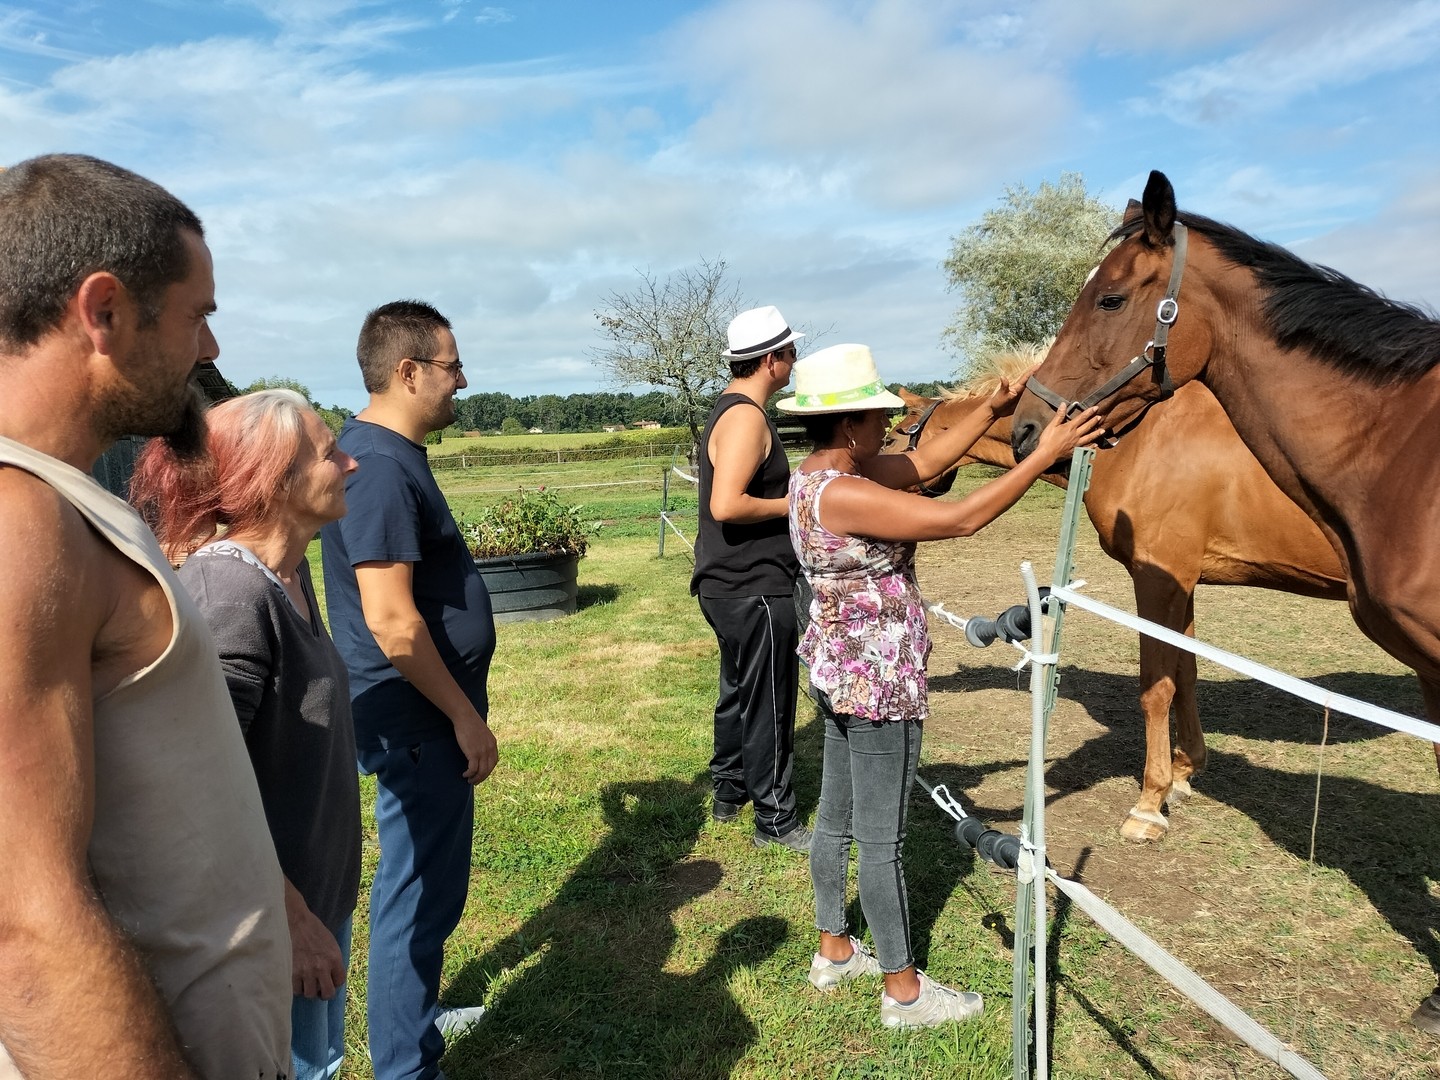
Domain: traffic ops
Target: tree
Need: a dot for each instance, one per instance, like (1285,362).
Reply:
(511,426)
(334,417)
(1021,266)
(670,334)
(280,382)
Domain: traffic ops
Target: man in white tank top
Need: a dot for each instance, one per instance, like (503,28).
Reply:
(142,928)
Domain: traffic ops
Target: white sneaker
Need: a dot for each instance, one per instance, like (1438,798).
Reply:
(936,1005)
(827,974)
(455,1022)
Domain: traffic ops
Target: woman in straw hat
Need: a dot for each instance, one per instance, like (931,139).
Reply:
(866,647)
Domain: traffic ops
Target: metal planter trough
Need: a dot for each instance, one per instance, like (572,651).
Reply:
(533,587)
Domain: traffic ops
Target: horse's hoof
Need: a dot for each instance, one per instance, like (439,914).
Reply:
(1144,826)
(1427,1016)
(1180,790)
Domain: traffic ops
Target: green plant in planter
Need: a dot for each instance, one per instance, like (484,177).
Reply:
(528,521)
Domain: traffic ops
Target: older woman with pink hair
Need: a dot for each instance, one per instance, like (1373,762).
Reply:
(239,517)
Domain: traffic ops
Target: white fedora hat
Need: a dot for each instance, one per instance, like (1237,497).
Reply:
(841,378)
(756,332)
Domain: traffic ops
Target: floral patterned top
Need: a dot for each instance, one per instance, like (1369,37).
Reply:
(867,641)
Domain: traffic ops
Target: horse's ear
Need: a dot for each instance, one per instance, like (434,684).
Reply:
(1133,210)
(907,397)
(1158,205)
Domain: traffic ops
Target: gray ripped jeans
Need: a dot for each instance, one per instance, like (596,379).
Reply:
(864,793)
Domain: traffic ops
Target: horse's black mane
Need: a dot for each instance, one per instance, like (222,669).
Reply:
(1348,325)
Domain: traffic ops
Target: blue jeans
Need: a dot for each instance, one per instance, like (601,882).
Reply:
(864,794)
(425,815)
(317,1027)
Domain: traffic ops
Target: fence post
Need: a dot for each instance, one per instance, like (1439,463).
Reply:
(664,509)
(1030,920)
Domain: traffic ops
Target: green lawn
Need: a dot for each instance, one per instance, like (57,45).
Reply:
(612,928)
(557,441)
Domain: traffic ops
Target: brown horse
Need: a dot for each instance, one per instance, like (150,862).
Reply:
(1335,389)
(1178,501)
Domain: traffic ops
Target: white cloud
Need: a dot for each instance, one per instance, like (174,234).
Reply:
(1393,251)
(874,99)
(1165,27)
(28,33)
(493,16)
(1303,60)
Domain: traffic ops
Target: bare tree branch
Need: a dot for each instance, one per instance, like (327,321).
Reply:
(669,334)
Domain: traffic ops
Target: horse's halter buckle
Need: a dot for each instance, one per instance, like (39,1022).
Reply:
(913,433)
(1151,356)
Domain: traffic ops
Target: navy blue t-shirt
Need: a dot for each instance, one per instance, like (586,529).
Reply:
(396,513)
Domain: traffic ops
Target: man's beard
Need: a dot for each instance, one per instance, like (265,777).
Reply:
(179,421)
(187,439)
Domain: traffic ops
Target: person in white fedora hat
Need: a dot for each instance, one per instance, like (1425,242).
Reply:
(854,530)
(745,573)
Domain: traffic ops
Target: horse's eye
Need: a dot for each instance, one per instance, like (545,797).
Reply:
(1111,302)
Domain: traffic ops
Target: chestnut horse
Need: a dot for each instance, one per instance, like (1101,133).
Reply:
(1335,389)
(1178,501)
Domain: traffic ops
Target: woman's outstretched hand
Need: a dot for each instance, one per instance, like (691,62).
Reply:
(1060,436)
(1002,401)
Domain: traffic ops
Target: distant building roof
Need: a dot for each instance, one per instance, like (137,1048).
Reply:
(215,386)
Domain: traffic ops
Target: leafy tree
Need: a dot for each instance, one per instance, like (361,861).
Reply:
(280,382)
(669,333)
(1021,266)
(511,426)
(334,416)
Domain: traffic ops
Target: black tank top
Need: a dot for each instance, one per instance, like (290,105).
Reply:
(753,559)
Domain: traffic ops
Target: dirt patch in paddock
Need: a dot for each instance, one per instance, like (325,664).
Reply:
(1330,951)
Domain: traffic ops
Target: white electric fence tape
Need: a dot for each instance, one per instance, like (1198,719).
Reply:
(1278,679)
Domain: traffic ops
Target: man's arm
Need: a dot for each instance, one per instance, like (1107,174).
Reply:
(739,445)
(60,953)
(387,598)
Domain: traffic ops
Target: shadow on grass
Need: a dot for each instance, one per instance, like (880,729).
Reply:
(582,988)
(1386,842)
(1240,707)
(590,595)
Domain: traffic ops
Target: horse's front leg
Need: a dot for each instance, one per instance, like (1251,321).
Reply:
(1161,599)
(1190,754)
(1430,691)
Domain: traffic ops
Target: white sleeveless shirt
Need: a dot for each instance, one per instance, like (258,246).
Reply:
(180,851)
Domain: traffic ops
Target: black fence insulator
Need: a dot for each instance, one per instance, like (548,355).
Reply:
(994,846)
(1012,624)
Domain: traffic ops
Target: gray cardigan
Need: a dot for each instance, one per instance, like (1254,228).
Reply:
(293,700)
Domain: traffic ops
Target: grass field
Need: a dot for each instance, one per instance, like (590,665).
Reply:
(614,930)
(556,441)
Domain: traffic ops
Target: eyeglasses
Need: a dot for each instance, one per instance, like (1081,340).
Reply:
(451,367)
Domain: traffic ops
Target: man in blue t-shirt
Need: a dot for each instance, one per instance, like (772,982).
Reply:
(410,615)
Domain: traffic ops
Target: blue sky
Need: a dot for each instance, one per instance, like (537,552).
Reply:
(515,162)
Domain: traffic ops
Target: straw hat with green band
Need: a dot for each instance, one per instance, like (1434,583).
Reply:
(841,378)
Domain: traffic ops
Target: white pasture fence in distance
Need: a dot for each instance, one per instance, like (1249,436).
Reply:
(1030,935)
(668,513)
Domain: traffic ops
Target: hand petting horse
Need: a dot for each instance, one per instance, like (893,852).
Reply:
(1178,501)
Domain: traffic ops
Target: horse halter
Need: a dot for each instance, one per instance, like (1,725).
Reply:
(913,433)
(1152,355)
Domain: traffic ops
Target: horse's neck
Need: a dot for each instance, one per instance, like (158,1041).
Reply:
(1308,424)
